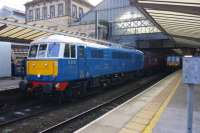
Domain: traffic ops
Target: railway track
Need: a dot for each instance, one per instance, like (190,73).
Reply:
(21,114)
(99,109)
(29,113)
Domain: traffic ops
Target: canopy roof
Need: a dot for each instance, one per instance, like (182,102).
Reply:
(178,18)
(14,31)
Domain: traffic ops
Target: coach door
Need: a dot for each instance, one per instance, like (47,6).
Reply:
(82,62)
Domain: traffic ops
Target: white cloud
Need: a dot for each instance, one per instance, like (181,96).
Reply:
(19,4)
(94,2)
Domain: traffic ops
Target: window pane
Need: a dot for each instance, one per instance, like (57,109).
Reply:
(42,50)
(60,10)
(80,12)
(52,11)
(33,51)
(44,12)
(73,51)
(74,11)
(66,53)
(30,15)
(37,14)
(53,50)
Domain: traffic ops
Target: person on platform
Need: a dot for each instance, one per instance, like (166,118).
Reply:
(23,67)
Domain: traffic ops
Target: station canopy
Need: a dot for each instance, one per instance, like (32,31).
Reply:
(12,30)
(178,18)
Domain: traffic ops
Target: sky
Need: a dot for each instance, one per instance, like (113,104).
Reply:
(19,4)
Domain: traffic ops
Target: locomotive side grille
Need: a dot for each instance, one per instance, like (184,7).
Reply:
(42,67)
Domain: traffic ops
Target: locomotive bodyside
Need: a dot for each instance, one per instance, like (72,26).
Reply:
(60,63)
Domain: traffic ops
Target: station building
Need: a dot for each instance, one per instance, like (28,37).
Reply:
(56,13)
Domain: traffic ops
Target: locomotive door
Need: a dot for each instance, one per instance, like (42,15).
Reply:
(82,62)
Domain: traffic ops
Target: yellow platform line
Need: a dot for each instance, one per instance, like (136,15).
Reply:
(146,119)
(156,118)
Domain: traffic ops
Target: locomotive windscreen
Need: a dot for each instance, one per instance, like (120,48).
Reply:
(44,50)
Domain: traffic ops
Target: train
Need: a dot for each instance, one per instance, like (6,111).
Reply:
(73,67)
(174,62)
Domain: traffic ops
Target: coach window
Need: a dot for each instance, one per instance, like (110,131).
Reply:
(33,51)
(42,50)
(67,51)
(53,50)
(73,51)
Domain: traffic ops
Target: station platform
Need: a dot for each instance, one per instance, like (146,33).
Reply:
(159,109)
(9,84)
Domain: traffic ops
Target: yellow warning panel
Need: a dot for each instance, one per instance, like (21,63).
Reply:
(42,67)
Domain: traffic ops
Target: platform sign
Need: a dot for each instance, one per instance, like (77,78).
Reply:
(191,70)
(191,77)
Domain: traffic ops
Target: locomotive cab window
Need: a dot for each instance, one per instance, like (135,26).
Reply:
(33,51)
(73,51)
(42,50)
(67,50)
(53,50)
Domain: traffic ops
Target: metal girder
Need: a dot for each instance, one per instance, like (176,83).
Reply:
(163,20)
(177,26)
(146,14)
(186,37)
(174,8)
(3,27)
(149,17)
(175,18)
(17,40)
(172,14)
(179,19)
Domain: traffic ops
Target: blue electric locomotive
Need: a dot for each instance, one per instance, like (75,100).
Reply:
(65,64)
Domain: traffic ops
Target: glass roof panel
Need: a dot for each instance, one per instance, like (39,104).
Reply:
(7,29)
(28,34)
(12,32)
(47,34)
(35,35)
(25,31)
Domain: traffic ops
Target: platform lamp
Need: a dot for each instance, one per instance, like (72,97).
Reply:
(191,77)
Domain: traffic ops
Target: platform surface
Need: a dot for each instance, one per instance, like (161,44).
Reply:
(9,84)
(174,118)
(134,115)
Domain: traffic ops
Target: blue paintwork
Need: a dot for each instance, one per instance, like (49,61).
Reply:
(89,67)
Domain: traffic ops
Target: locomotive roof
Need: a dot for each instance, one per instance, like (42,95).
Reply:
(67,39)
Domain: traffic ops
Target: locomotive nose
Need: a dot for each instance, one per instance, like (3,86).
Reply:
(42,67)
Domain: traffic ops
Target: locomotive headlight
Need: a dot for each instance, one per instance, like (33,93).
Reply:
(57,85)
